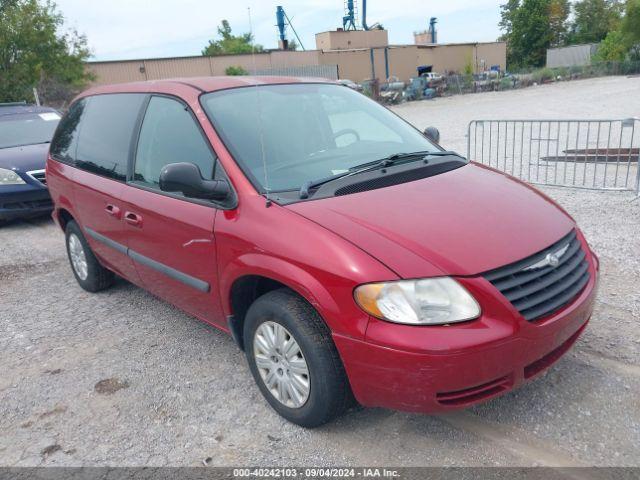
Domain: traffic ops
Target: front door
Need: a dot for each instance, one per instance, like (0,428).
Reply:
(171,240)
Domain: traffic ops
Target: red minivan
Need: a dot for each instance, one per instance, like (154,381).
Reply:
(345,252)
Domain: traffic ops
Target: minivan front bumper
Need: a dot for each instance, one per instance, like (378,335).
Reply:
(438,369)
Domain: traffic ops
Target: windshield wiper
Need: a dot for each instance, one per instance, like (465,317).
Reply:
(445,153)
(369,166)
(396,157)
(390,160)
(306,186)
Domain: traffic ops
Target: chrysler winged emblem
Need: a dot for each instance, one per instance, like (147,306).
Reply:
(551,260)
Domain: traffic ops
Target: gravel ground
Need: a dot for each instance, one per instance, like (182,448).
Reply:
(122,378)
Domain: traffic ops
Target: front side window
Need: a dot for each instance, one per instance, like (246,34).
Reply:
(169,134)
(285,135)
(27,128)
(106,132)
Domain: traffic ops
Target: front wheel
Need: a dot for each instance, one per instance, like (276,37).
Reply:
(294,360)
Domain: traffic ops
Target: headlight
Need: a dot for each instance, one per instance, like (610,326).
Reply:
(9,177)
(432,301)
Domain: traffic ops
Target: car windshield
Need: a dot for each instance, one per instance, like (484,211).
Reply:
(27,128)
(302,132)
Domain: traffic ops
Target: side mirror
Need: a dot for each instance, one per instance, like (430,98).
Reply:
(433,134)
(186,178)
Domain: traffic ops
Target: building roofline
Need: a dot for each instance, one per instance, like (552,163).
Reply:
(575,45)
(409,45)
(268,52)
(187,57)
(351,31)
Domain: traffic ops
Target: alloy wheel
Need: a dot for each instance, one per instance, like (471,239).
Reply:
(281,364)
(78,257)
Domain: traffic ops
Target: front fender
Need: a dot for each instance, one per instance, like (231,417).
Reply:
(348,320)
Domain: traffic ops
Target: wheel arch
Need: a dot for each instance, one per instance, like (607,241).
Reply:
(63,217)
(254,275)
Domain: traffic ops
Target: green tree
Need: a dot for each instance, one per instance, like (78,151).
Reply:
(612,48)
(508,12)
(229,43)
(35,51)
(594,19)
(559,11)
(630,25)
(531,27)
(624,42)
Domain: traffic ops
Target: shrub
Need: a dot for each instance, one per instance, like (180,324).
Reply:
(506,83)
(235,71)
(561,72)
(543,75)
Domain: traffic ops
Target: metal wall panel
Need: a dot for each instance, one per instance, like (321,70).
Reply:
(177,68)
(573,56)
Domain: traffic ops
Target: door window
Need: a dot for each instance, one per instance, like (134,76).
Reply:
(169,134)
(106,131)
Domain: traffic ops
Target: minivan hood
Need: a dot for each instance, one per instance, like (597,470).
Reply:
(25,158)
(463,222)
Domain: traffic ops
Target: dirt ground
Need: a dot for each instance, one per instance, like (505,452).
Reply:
(122,378)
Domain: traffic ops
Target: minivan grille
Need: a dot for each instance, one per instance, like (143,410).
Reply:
(545,282)
(39,175)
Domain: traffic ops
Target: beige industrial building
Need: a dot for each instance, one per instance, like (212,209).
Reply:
(357,55)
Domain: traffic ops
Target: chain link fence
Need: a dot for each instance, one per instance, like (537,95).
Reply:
(493,81)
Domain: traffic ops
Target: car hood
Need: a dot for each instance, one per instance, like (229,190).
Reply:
(463,222)
(25,158)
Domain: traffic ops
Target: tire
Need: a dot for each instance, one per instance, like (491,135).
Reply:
(329,394)
(91,276)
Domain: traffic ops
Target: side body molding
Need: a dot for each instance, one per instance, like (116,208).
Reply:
(177,275)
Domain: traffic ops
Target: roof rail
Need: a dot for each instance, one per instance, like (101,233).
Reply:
(13,104)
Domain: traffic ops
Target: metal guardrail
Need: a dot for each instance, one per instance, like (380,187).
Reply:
(592,154)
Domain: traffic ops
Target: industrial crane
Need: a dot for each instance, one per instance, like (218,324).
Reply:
(283,20)
(349,21)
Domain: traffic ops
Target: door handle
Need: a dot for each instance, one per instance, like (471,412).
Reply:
(133,219)
(112,210)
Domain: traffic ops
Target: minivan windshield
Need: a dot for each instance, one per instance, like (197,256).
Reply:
(27,129)
(303,132)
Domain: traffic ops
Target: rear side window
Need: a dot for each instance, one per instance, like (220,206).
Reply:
(170,134)
(108,125)
(65,141)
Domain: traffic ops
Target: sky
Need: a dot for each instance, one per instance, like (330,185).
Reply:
(131,29)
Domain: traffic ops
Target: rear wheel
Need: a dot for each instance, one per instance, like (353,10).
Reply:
(91,276)
(294,360)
